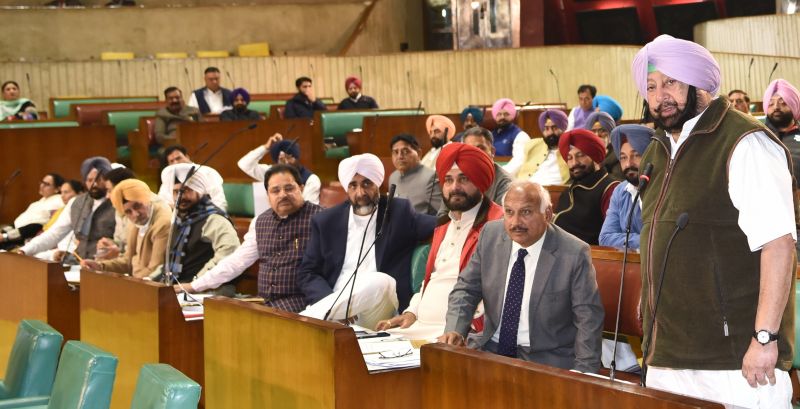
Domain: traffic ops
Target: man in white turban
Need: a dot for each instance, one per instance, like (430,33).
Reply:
(176,154)
(341,243)
(722,325)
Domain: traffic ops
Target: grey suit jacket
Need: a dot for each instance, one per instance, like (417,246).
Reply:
(565,312)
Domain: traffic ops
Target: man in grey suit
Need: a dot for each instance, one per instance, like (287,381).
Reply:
(538,288)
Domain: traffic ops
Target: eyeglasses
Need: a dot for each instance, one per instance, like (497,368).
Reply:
(45,183)
(394,354)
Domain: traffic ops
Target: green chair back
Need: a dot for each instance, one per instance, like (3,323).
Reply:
(126,121)
(336,124)
(33,361)
(61,106)
(39,124)
(84,379)
(161,386)
(240,199)
(264,106)
(419,261)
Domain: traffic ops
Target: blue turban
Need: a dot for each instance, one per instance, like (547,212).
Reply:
(606,121)
(240,91)
(637,135)
(477,114)
(289,147)
(608,105)
(100,163)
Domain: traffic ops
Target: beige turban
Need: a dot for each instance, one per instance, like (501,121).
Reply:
(130,190)
(367,165)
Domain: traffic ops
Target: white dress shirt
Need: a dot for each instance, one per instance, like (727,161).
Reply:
(50,238)
(250,165)
(213,99)
(517,153)
(430,157)
(232,266)
(356,227)
(531,261)
(40,211)
(548,173)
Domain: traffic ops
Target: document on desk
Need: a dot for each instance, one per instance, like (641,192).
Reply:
(192,305)
(388,353)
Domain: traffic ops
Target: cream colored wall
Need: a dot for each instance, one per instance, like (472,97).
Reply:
(444,81)
(763,35)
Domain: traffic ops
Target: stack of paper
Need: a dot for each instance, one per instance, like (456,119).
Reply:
(387,353)
(192,305)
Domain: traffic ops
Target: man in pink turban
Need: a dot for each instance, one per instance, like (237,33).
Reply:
(441,131)
(465,173)
(725,181)
(355,100)
(341,243)
(509,139)
(782,106)
(582,209)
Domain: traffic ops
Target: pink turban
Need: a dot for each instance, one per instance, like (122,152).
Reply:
(682,60)
(504,104)
(352,80)
(472,161)
(367,165)
(788,93)
(442,123)
(588,143)
(558,117)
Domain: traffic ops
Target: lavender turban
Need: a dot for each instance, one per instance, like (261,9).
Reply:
(504,104)
(682,60)
(240,91)
(558,117)
(606,121)
(788,93)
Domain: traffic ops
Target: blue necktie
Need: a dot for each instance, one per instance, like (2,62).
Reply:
(509,323)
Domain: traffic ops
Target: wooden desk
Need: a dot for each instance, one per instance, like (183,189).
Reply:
(455,377)
(258,357)
(140,322)
(38,151)
(34,289)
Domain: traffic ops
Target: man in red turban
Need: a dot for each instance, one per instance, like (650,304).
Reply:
(465,173)
(355,100)
(582,210)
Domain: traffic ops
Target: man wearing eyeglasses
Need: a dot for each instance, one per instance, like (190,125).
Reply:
(276,240)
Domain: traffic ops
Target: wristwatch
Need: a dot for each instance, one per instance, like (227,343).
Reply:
(764,337)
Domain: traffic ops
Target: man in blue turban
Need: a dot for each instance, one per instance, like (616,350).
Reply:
(471,117)
(240,99)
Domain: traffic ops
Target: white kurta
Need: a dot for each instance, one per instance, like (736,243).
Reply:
(40,211)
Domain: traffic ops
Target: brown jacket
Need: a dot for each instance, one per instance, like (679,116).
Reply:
(143,255)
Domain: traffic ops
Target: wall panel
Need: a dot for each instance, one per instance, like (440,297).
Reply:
(765,35)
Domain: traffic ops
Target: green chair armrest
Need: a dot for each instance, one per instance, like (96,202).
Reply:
(340,152)
(31,401)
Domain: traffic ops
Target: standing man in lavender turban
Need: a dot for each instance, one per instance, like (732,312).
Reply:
(543,164)
(724,328)
(582,209)
(509,139)
(342,238)
(240,99)
(355,100)
(578,115)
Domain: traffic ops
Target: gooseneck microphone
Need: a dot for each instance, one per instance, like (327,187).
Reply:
(644,179)
(558,90)
(680,224)
(8,182)
(774,67)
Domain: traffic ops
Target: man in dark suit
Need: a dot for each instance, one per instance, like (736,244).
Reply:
(538,288)
(342,237)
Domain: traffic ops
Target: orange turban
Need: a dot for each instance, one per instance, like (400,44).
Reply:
(130,190)
(473,162)
(585,140)
(443,123)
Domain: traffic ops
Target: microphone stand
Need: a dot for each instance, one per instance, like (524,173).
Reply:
(8,181)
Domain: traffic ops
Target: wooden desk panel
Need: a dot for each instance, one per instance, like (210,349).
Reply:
(455,377)
(34,289)
(257,356)
(140,322)
(38,151)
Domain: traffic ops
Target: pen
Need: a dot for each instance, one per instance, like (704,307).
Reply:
(80,260)
(375,335)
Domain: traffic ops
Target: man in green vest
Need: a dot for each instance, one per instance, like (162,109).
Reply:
(724,327)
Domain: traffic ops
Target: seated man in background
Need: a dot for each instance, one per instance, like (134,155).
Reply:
(440,130)
(471,117)
(203,234)
(240,99)
(341,240)
(89,218)
(466,172)
(276,240)
(211,99)
(178,154)
(355,100)
(305,102)
(30,222)
(482,139)
(601,124)
(414,182)
(577,116)
(168,118)
(509,139)
(538,288)
(582,209)
(147,232)
(283,152)
(630,141)
(740,101)
(543,164)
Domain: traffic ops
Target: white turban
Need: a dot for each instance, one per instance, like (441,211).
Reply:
(199,181)
(367,165)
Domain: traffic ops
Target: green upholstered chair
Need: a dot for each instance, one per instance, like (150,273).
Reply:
(240,199)
(33,361)
(84,380)
(419,260)
(336,125)
(61,106)
(161,386)
(126,121)
(38,124)
(262,107)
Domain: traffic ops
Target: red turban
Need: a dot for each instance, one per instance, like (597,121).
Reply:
(352,80)
(588,143)
(473,162)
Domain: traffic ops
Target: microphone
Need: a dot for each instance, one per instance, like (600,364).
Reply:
(680,224)
(188,80)
(644,179)
(352,277)
(200,148)
(749,67)
(8,181)
(228,74)
(419,108)
(28,79)
(774,67)
(558,91)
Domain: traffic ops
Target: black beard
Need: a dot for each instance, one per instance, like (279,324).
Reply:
(551,141)
(97,194)
(240,108)
(631,175)
(586,171)
(780,120)
(469,203)
(437,143)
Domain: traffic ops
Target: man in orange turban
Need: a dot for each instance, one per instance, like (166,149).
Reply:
(441,130)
